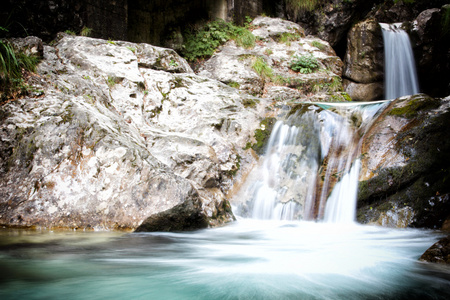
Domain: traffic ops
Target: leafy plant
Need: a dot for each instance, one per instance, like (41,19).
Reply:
(12,65)
(203,42)
(173,63)
(70,32)
(304,64)
(86,31)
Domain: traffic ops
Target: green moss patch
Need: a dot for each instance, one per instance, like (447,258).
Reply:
(414,107)
(262,135)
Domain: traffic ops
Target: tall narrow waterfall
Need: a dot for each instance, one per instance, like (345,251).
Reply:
(311,166)
(400,69)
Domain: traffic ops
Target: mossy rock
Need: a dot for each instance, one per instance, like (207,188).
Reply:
(262,136)
(421,182)
(418,104)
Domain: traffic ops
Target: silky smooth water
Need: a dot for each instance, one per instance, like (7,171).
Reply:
(400,67)
(249,259)
(310,168)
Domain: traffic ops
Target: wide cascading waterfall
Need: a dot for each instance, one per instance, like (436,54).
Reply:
(311,166)
(400,69)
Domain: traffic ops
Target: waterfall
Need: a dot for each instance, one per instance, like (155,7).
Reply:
(311,166)
(400,69)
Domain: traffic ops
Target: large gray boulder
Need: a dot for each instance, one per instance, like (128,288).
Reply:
(124,134)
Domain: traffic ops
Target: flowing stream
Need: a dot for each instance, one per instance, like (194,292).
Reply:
(311,166)
(250,259)
(400,68)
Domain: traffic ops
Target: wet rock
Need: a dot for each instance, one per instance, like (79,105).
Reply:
(405,166)
(331,20)
(439,252)
(430,38)
(125,134)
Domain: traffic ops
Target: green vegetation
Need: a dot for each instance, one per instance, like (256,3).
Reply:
(414,107)
(86,31)
(234,84)
(287,38)
(405,1)
(132,49)
(111,81)
(318,45)
(173,63)
(260,66)
(268,52)
(298,6)
(250,102)
(70,32)
(262,135)
(13,65)
(203,42)
(304,64)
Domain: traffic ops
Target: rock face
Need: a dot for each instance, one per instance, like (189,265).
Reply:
(364,62)
(264,70)
(430,37)
(123,135)
(331,20)
(405,165)
(439,252)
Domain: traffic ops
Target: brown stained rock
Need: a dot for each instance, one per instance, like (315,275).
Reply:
(439,252)
(364,57)
(405,165)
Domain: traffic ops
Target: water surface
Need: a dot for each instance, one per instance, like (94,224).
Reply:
(249,259)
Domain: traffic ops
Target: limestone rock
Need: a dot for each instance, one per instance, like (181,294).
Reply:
(364,91)
(30,45)
(405,165)
(279,43)
(124,133)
